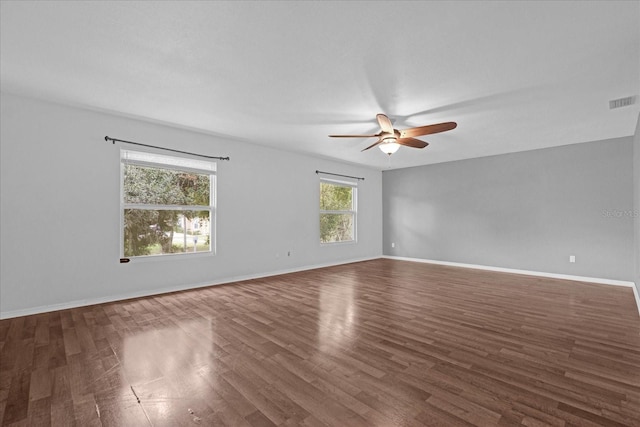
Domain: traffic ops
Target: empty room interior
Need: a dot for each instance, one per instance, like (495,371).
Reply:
(320,213)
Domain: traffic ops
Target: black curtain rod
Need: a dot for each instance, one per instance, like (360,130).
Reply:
(337,174)
(114,140)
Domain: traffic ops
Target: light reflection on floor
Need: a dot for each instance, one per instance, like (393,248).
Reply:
(338,311)
(171,370)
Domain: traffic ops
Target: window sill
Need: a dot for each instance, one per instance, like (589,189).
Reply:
(350,242)
(167,257)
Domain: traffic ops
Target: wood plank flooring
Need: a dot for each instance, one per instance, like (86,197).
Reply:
(376,343)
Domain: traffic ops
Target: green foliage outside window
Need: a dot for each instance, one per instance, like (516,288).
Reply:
(336,213)
(148,230)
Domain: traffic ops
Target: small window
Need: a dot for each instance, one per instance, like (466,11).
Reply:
(167,205)
(338,201)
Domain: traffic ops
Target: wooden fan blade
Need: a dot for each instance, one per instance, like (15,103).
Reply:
(378,142)
(353,136)
(427,130)
(412,142)
(385,123)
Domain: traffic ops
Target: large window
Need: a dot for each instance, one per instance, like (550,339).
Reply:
(338,201)
(167,204)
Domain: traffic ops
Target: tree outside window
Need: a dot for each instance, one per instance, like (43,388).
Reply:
(337,211)
(167,206)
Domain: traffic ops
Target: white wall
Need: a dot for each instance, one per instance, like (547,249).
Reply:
(60,210)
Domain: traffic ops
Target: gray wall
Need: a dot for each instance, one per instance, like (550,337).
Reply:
(60,210)
(528,210)
(636,206)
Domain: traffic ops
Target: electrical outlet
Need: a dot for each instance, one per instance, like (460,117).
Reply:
(393,245)
(572,258)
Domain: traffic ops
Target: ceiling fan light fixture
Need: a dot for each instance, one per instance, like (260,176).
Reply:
(389,139)
(389,146)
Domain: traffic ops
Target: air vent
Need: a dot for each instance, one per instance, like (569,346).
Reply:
(622,102)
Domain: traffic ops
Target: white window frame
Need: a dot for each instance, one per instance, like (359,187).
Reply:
(353,211)
(163,161)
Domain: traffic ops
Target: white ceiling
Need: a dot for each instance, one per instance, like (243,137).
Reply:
(514,75)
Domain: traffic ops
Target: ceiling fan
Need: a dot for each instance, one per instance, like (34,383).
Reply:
(390,139)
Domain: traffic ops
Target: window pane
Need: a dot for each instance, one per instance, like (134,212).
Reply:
(165,186)
(154,232)
(198,231)
(336,227)
(335,197)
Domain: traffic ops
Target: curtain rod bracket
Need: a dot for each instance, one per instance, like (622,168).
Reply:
(114,140)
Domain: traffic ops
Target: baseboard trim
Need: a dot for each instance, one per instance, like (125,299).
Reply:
(148,293)
(227,280)
(515,271)
(637,295)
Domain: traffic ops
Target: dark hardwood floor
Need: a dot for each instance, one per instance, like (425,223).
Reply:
(384,342)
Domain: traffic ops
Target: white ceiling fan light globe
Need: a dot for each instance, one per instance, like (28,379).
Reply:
(389,146)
